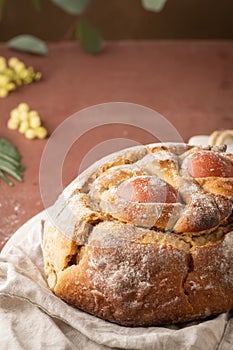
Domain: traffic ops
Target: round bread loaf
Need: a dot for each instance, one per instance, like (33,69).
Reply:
(145,236)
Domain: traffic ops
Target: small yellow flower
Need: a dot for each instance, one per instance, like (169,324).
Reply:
(3,92)
(34,121)
(15,114)
(30,134)
(37,76)
(23,74)
(18,81)
(9,72)
(28,80)
(41,132)
(23,127)
(23,107)
(10,86)
(4,79)
(23,116)
(32,114)
(12,62)
(12,124)
(19,67)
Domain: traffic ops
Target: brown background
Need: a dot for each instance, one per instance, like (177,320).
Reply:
(123,19)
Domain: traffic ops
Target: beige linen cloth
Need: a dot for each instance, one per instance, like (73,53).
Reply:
(32,317)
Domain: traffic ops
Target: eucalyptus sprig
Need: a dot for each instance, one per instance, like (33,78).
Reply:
(89,37)
(85,32)
(10,162)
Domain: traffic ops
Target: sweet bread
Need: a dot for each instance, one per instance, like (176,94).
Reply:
(145,236)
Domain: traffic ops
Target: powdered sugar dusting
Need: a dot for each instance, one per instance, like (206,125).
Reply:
(130,272)
(227,259)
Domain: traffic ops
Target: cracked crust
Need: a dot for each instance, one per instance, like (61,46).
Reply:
(143,270)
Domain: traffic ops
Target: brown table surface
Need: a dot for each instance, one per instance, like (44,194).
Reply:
(189,83)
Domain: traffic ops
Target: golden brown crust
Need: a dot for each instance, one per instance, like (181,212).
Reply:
(216,185)
(138,263)
(209,284)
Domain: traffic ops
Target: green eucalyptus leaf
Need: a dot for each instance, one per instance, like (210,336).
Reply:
(7,148)
(36,4)
(10,171)
(73,7)
(10,162)
(1,7)
(89,37)
(153,5)
(28,43)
